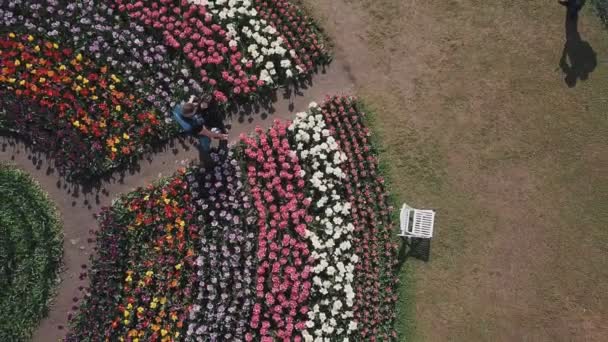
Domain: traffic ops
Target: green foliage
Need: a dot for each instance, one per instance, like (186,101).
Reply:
(30,254)
(601,8)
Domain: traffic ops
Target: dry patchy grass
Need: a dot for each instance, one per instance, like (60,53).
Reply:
(476,121)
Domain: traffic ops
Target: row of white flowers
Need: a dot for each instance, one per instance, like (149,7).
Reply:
(331,314)
(261,44)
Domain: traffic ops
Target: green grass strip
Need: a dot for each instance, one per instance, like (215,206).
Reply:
(405,322)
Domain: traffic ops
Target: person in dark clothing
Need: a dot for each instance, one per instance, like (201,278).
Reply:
(207,123)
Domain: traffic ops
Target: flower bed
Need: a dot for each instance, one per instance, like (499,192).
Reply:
(161,51)
(331,231)
(30,254)
(144,278)
(375,279)
(290,239)
(284,271)
(227,261)
(91,123)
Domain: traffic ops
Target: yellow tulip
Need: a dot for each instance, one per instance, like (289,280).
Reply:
(11,80)
(153,305)
(79,57)
(126,313)
(12,35)
(140,309)
(37,48)
(56,46)
(178,266)
(125,136)
(94,97)
(22,82)
(163,332)
(130,306)
(62,67)
(163,300)
(30,38)
(76,123)
(118,108)
(42,80)
(28,65)
(17,62)
(79,77)
(149,274)
(114,149)
(126,322)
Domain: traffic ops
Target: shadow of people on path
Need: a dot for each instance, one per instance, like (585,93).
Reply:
(578,58)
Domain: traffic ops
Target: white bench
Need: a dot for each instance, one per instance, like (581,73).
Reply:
(416,223)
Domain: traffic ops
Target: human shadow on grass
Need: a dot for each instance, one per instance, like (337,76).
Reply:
(578,58)
(414,248)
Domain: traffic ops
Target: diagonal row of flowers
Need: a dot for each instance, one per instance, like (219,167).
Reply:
(92,27)
(234,48)
(92,123)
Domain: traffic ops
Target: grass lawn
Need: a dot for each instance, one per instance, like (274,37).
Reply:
(476,121)
(30,254)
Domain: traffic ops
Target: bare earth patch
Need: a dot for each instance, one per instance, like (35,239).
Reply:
(477,122)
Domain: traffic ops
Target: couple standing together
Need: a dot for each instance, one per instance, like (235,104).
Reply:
(202,118)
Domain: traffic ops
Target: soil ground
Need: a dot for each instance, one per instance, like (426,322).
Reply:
(476,121)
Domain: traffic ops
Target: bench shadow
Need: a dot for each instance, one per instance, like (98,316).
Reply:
(415,248)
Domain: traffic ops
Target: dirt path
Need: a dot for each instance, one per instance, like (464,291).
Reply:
(477,122)
(77,208)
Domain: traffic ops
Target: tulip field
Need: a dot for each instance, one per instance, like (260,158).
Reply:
(288,237)
(102,76)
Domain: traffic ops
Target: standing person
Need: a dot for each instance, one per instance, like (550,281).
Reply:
(206,122)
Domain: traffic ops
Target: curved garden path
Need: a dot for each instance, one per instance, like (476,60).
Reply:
(78,205)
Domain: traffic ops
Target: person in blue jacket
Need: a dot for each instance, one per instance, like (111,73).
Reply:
(204,118)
